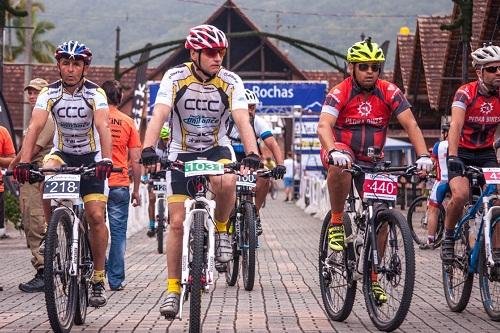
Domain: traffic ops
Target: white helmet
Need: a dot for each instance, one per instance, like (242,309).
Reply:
(251,97)
(486,54)
(205,36)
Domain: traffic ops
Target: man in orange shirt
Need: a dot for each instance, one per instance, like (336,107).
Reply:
(126,141)
(7,154)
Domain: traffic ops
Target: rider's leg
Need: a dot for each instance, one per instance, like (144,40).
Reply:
(261,191)
(225,197)
(339,184)
(94,213)
(459,187)
(51,161)
(151,212)
(432,221)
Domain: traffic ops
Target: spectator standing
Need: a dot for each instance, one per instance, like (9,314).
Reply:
(288,178)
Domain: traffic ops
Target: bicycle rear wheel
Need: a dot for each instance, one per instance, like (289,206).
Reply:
(397,271)
(233,265)
(60,288)
(417,219)
(197,269)
(457,280)
(338,287)
(161,224)
(85,272)
(249,241)
(489,279)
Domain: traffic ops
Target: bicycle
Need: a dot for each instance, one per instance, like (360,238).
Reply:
(198,242)
(417,220)
(161,212)
(242,223)
(473,251)
(67,256)
(374,219)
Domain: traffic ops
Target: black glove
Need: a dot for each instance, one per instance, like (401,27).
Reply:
(22,172)
(149,156)
(455,164)
(251,161)
(103,168)
(279,171)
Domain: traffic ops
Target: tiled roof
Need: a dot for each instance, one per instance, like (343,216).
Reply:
(13,84)
(404,59)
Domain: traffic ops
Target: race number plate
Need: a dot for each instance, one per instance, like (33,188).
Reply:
(61,187)
(381,187)
(491,175)
(203,167)
(248,181)
(159,187)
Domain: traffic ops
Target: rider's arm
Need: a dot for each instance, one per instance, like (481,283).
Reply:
(273,146)
(242,121)
(102,126)
(325,130)
(456,124)
(38,120)
(408,122)
(135,156)
(160,114)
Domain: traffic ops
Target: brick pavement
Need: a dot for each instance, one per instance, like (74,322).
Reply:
(286,296)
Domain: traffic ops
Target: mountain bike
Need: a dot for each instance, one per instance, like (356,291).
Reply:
(68,258)
(159,185)
(417,218)
(374,221)
(474,243)
(242,226)
(198,242)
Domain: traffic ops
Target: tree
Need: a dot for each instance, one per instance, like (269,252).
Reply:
(42,50)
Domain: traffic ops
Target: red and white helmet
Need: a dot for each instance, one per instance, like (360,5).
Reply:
(205,37)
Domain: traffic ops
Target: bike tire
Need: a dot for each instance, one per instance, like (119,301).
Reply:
(489,284)
(390,315)
(161,225)
(440,227)
(337,308)
(249,241)
(85,273)
(457,280)
(233,265)
(60,288)
(196,270)
(414,220)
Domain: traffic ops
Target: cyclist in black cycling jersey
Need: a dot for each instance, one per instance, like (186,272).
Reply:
(80,111)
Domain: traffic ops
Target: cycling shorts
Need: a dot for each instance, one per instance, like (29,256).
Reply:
(179,189)
(481,158)
(91,188)
(438,193)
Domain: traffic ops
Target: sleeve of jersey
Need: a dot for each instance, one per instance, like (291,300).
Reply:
(101,101)
(166,90)
(399,102)
(461,99)
(42,101)
(435,150)
(238,99)
(263,128)
(333,102)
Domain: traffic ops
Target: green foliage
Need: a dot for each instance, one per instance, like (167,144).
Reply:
(12,210)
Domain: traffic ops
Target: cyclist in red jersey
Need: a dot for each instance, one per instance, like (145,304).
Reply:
(475,115)
(355,117)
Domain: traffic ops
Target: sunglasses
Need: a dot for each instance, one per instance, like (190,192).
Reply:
(492,69)
(212,53)
(364,67)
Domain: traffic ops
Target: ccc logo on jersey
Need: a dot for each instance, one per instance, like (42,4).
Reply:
(192,104)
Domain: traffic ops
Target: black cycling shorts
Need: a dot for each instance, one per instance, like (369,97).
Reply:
(481,158)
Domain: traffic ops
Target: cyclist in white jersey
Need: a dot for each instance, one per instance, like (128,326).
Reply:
(201,94)
(80,111)
(263,131)
(440,188)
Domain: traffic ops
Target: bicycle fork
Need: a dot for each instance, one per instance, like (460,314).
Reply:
(209,226)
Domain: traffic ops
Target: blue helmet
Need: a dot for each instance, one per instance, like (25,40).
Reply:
(74,50)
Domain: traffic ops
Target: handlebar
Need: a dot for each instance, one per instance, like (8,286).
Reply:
(399,171)
(82,170)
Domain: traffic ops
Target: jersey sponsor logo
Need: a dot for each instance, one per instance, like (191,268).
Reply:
(201,121)
(71,112)
(74,126)
(364,108)
(391,87)
(230,75)
(175,73)
(192,104)
(486,107)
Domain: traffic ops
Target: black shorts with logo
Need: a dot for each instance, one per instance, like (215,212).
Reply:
(481,158)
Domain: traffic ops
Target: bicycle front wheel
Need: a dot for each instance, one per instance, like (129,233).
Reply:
(417,219)
(397,271)
(489,278)
(233,265)
(249,241)
(161,224)
(85,272)
(338,287)
(457,280)
(61,289)
(197,269)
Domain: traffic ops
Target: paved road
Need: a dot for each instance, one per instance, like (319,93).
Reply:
(286,296)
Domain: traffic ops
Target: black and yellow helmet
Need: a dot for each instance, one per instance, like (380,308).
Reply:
(365,51)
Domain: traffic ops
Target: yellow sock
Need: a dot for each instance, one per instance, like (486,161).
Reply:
(221,226)
(174,286)
(98,276)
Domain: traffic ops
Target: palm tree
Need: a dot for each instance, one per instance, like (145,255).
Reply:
(42,50)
